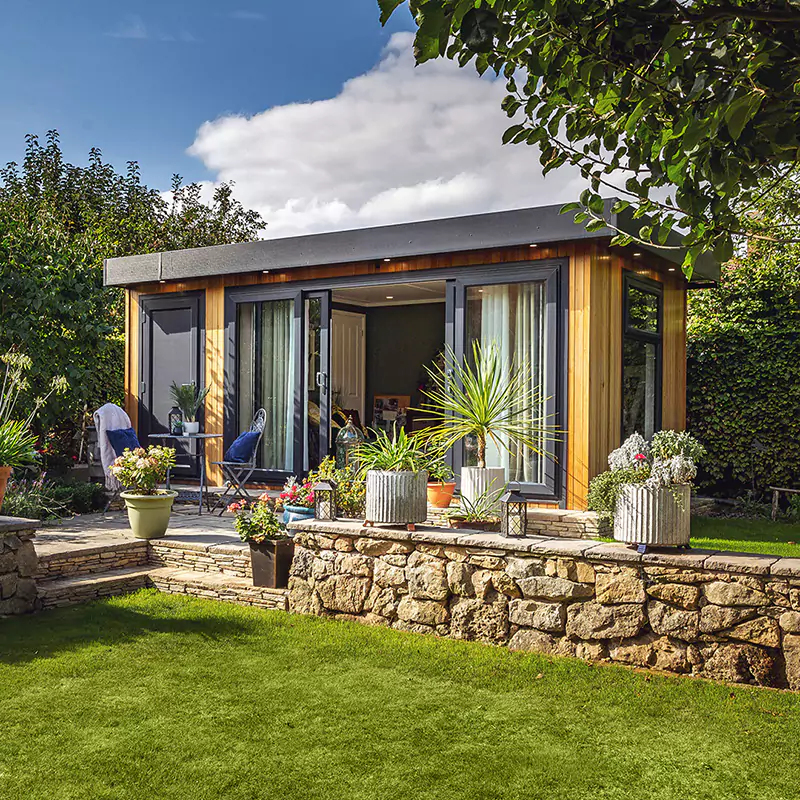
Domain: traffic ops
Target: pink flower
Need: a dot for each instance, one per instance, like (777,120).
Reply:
(639,457)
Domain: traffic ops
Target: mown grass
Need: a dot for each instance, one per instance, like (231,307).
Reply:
(156,696)
(757,535)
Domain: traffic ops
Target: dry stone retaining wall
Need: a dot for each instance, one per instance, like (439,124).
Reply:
(723,616)
(18,566)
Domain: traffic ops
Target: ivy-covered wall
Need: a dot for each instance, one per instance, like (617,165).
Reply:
(744,373)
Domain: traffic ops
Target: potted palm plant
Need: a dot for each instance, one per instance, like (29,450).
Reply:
(140,471)
(271,549)
(189,399)
(396,479)
(487,399)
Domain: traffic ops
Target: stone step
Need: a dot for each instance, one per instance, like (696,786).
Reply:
(92,559)
(74,589)
(217,586)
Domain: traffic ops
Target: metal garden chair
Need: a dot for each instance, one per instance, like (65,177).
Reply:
(238,473)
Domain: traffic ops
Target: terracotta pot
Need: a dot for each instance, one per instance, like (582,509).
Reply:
(5,474)
(440,495)
(270,562)
(483,525)
(148,514)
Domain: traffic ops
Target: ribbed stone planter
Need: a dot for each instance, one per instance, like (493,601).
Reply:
(477,480)
(656,517)
(398,498)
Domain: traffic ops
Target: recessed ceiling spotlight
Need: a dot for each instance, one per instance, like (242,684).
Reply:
(162,281)
(390,297)
(636,255)
(387,259)
(265,272)
(533,245)
(672,269)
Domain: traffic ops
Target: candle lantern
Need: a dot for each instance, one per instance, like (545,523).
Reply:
(348,440)
(325,500)
(175,421)
(514,519)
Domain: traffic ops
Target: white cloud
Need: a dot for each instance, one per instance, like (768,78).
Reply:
(132,26)
(397,144)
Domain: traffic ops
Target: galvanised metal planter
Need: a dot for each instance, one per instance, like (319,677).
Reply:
(398,498)
(653,516)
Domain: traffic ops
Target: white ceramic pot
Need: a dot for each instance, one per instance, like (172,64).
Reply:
(191,428)
(657,517)
(397,497)
(477,480)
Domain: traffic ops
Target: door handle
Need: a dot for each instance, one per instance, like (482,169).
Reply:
(322,382)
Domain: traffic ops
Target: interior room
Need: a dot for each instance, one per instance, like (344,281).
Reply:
(382,339)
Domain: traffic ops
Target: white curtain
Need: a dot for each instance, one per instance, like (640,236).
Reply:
(513,317)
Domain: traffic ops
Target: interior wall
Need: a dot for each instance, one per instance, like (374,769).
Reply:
(400,341)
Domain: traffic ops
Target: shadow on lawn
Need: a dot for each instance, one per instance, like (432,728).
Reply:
(49,633)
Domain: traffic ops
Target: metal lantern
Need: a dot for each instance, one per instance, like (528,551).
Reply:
(514,519)
(325,500)
(175,421)
(348,440)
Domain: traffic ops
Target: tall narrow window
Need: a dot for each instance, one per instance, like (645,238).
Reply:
(641,358)
(265,367)
(512,316)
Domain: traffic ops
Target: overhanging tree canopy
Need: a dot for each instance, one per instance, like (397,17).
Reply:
(695,103)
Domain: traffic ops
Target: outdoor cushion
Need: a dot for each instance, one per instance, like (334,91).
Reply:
(243,448)
(122,439)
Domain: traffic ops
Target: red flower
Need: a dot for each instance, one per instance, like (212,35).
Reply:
(640,457)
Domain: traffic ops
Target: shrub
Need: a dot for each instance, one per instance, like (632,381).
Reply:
(80,498)
(140,471)
(605,488)
(257,521)
(351,490)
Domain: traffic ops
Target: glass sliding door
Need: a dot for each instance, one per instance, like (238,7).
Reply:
(316,401)
(520,310)
(511,317)
(265,367)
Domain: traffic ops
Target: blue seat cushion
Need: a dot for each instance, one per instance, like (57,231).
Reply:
(123,439)
(241,451)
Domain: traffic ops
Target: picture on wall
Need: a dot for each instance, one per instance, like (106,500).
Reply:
(390,412)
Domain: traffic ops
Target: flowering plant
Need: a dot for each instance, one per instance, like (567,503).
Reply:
(666,461)
(295,493)
(257,521)
(140,470)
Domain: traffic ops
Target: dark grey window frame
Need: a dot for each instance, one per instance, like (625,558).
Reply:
(554,272)
(629,331)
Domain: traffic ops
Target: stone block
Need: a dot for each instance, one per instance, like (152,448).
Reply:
(595,621)
(584,573)
(459,578)
(427,580)
(387,575)
(739,663)
(344,544)
(761,630)
(791,654)
(550,617)
(487,562)
(504,584)
(382,601)
(677,594)
(523,567)
(790,621)
(716,618)
(670,621)
(8,585)
(614,588)
(722,593)
(483,620)
(553,588)
(346,593)
(27,560)
(425,612)
(652,650)
(354,564)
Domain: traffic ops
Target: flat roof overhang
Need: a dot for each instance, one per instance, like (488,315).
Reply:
(542,225)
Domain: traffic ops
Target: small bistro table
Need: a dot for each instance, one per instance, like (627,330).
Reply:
(200,438)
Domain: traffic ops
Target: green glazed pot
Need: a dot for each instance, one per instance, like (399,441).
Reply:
(148,514)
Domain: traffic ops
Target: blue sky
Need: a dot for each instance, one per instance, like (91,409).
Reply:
(318,114)
(138,78)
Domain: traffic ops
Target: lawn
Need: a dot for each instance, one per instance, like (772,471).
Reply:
(746,535)
(157,696)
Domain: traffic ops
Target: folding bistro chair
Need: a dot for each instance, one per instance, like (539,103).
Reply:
(239,463)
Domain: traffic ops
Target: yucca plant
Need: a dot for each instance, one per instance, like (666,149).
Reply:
(489,398)
(17,444)
(188,398)
(396,453)
(482,509)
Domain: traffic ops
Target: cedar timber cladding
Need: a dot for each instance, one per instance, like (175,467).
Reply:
(594,345)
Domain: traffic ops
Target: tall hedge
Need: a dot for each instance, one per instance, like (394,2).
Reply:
(744,372)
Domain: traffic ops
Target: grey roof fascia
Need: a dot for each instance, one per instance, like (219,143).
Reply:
(474,232)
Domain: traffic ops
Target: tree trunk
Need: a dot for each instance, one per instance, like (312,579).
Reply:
(481,451)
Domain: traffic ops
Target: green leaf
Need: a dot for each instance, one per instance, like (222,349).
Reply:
(478,29)
(741,111)
(567,207)
(388,8)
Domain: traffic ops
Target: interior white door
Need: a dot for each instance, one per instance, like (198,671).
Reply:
(348,359)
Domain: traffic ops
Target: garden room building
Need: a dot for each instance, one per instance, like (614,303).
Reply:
(320,327)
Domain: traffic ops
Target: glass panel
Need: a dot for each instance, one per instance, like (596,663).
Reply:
(313,366)
(265,359)
(639,387)
(642,310)
(513,316)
